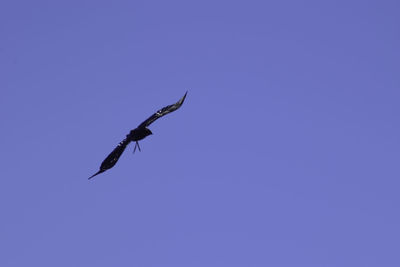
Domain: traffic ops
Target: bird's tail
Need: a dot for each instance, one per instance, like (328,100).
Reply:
(100,171)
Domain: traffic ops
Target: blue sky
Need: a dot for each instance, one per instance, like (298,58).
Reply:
(285,152)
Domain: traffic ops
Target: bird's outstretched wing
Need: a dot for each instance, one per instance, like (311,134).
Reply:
(162,112)
(113,157)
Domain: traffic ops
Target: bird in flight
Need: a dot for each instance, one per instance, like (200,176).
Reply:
(135,135)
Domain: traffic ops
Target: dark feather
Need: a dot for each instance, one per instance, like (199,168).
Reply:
(162,112)
(113,157)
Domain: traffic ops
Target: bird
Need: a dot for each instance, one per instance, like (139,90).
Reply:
(136,135)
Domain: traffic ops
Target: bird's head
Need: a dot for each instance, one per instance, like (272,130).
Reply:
(147,131)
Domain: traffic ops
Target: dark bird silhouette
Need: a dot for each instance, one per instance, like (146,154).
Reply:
(135,135)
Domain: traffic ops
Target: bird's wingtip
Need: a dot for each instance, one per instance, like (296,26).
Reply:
(100,171)
(183,98)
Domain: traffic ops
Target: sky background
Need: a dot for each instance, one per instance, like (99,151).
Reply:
(285,153)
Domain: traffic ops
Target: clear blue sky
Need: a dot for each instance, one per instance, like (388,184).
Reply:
(285,153)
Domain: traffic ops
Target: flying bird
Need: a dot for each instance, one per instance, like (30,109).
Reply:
(135,135)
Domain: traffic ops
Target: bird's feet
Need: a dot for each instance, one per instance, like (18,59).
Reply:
(137,145)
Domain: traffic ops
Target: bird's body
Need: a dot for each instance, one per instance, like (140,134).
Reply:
(136,135)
